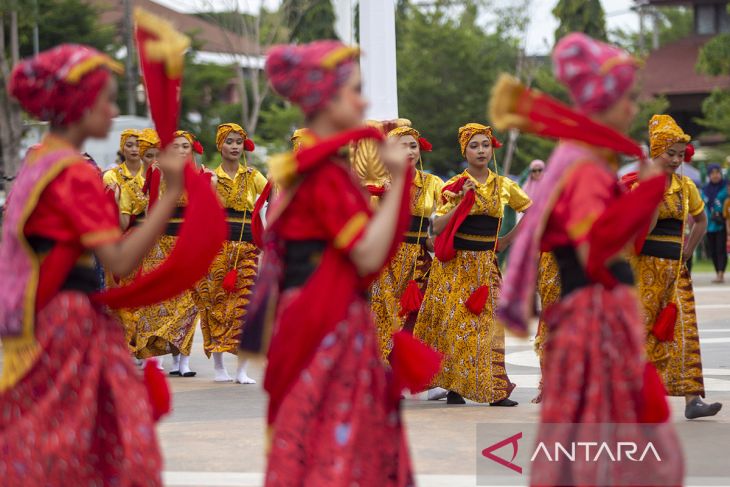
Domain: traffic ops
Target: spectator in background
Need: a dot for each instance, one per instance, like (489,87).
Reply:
(537,167)
(726,215)
(715,193)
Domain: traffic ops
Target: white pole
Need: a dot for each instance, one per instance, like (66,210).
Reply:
(377,40)
(343,24)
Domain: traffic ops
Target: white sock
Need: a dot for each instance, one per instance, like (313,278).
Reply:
(184,364)
(241,375)
(175,363)
(221,374)
(437,393)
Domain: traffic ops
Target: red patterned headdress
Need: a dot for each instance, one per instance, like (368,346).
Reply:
(310,74)
(596,74)
(60,84)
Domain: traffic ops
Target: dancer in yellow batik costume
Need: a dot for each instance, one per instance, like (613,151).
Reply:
(169,327)
(473,343)
(126,181)
(662,277)
(548,290)
(412,260)
(223,295)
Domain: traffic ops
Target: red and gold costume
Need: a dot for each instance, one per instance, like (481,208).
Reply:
(222,311)
(663,278)
(473,344)
(333,410)
(412,261)
(548,290)
(594,367)
(75,409)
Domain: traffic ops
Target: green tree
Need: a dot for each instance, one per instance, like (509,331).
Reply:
(310,20)
(63,21)
(443,85)
(674,23)
(714,60)
(585,16)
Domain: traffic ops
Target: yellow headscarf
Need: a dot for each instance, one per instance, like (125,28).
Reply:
(186,134)
(301,137)
(403,131)
(663,133)
(470,130)
(226,128)
(148,139)
(127,133)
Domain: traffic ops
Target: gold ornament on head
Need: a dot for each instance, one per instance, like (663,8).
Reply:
(663,133)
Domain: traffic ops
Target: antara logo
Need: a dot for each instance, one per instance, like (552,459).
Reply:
(487,452)
(603,450)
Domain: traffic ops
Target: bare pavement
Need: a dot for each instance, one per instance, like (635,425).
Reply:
(216,434)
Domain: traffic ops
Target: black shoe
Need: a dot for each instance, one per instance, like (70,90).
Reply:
(454,398)
(700,409)
(505,403)
(175,373)
(189,374)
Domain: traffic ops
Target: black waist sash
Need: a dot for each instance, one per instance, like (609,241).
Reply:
(665,241)
(301,258)
(173,224)
(82,276)
(418,230)
(573,276)
(477,232)
(235,219)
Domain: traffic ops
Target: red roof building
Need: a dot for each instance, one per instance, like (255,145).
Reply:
(671,69)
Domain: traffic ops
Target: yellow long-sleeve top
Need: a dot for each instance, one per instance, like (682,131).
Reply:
(426,194)
(132,201)
(240,192)
(486,202)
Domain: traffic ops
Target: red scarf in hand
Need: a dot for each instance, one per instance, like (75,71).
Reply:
(444,242)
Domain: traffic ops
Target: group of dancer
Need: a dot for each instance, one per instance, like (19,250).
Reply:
(218,302)
(335,289)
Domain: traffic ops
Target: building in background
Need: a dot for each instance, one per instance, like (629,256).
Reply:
(670,70)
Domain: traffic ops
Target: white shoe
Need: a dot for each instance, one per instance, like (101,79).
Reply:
(221,375)
(244,379)
(437,393)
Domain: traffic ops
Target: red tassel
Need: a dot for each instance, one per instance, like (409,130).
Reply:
(229,282)
(248,145)
(414,363)
(653,407)
(157,390)
(197,147)
(375,190)
(411,299)
(663,328)
(495,143)
(478,300)
(424,144)
(689,152)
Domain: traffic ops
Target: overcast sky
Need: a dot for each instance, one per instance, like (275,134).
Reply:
(539,35)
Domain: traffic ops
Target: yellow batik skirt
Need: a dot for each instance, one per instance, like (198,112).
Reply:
(166,327)
(127,317)
(222,313)
(678,361)
(548,290)
(412,261)
(473,345)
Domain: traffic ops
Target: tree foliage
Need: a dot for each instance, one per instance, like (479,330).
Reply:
(443,85)
(714,59)
(310,20)
(674,23)
(585,16)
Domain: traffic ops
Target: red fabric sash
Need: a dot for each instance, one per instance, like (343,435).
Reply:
(623,219)
(375,190)
(320,304)
(444,242)
(200,238)
(151,186)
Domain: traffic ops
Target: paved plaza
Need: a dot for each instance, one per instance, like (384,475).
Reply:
(215,436)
